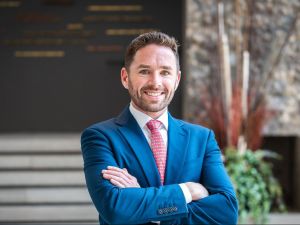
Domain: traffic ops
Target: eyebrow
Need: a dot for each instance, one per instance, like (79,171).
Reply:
(166,67)
(142,66)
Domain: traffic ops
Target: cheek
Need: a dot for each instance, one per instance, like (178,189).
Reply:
(171,86)
(134,86)
(138,84)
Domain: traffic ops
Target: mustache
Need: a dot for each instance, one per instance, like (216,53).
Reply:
(153,88)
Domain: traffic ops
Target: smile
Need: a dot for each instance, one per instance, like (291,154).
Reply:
(154,94)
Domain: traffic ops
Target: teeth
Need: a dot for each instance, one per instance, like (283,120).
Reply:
(153,93)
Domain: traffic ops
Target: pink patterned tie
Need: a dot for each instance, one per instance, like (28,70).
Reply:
(158,147)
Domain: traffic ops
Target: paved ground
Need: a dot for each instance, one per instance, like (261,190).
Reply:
(286,218)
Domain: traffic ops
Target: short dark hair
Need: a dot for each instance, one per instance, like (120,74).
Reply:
(153,37)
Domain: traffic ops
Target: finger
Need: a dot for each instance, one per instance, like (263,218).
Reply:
(118,169)
(114,168)
(125,172)
(131,180)
(128,174)
(126,183)
(118,184)
(116,173)
(116,178)
(204,192)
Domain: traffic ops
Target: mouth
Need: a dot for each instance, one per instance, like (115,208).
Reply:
(154,93)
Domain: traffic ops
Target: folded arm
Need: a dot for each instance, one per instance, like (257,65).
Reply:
(199,211)
(131,205)
(122,179)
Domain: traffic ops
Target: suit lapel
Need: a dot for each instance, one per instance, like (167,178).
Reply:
(131,131)
(178,140)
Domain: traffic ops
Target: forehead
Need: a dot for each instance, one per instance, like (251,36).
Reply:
(155,55)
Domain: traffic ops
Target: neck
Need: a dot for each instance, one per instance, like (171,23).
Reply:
(153,115)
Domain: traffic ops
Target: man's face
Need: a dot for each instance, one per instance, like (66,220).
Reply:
(152,79)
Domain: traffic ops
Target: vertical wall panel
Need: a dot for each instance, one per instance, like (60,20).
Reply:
(60,59)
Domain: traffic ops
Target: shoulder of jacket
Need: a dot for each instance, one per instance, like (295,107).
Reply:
(103,125)
(192,126)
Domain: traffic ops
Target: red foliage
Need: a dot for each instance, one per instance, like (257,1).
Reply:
(213,117)
(250,128)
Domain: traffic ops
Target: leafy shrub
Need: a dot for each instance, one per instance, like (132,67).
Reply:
(256,187)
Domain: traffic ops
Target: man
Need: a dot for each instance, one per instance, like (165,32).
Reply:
(146,166)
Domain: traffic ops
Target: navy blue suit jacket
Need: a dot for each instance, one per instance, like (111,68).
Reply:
(193,155)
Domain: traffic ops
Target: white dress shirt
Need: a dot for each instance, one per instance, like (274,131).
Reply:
(142,119)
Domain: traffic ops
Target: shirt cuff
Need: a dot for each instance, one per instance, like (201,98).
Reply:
(186,193)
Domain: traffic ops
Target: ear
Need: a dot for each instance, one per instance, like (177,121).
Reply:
(178,79)
(124,77)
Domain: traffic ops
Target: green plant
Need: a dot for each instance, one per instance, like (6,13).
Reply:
(256,187)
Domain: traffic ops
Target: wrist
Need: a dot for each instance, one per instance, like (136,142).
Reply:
(186,192)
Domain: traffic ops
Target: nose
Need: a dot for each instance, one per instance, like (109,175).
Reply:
(156,79)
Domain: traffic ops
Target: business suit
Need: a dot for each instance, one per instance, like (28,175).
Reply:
(192,155)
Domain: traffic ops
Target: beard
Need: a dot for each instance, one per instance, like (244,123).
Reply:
(147,105)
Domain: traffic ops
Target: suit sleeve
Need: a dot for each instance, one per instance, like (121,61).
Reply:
(125,205)
(221,206)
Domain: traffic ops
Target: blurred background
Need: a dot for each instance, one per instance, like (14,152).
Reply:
(59,73)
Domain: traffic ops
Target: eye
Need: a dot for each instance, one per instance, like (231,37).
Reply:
(165,72)
(144,71)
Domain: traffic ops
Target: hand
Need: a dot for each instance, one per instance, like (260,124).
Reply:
(197,190)
(119,177)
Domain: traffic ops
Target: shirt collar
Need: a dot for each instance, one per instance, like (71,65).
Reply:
(143,118)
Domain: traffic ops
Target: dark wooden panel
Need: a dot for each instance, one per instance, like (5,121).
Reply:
(82,87)
(284,169)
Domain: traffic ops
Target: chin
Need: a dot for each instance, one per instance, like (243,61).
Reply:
(155,108)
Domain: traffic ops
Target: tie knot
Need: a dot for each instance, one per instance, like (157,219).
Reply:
(154,125)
